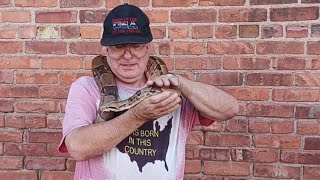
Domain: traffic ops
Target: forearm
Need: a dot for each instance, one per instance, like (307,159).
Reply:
(212,103)
(93,140)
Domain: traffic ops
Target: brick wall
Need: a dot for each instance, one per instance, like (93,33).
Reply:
(264,52)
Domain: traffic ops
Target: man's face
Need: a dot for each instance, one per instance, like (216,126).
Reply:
(128,62)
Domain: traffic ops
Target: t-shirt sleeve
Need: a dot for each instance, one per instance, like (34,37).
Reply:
(81,109)
(192,117)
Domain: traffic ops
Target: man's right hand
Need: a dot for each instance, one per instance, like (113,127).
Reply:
(156,106)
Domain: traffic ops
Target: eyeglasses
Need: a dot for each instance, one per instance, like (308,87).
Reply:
(136,50)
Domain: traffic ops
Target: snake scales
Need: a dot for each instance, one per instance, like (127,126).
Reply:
(108,88)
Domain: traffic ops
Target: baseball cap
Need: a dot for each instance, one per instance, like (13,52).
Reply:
(126,24)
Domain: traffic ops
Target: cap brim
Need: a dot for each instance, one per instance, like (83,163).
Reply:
(125,40)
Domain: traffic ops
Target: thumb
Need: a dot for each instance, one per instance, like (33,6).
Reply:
(150,82)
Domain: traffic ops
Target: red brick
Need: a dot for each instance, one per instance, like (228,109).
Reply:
(36,3)
(66,78)
(36,121)
(16,121)
(7,47)
(45,163)
(44,137)
(273,47)
(260,79)
(37,106)
(84,48)
(310,127)
(290,63)
(71,165)
(226,168)
(315,63)
(242,15)
(277,141)
(226,32)
(202,32)
(297,31)
(36,78)
(246,63)
(56,17)
(158,16)
(175,3)
(203,63)
(70,32)
(11,136)
(193,167)
(297,157)
(214,154)
(311,143)
(259,126)
(48,175)
(294,14)
(19,92)
(311,172)
(36,149)
(1,125)
(248,31)
(80,3)
(195,138)
(269,2)
(35,47)
(249,94)
(11,163)
(6,77)
(222,2)
(178,32)
(194,16)
(15,16)
(139,3)
(313,48)
(87,16)
(237,125)
(226,140)
(310,1)
(295,95)
(182,48)
(8,32)
(312,112)
(158,32)
(272,110)
(271,31)
(192,152)
(307,79)
(5,3)
(6,106)
(315,30)
(18,175)
(62,63)
(230,48)
(254,155)
(222,79)
(282,127)
(278,172)
(90,32)
(27,32)
(54,92)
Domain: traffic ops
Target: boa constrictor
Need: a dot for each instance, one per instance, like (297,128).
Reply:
(105,80)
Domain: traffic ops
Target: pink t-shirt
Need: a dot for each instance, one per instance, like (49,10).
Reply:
(156,150)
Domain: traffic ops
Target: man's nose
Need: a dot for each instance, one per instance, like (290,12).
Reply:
(127,54)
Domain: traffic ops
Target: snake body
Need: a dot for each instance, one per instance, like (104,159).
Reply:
(108,88)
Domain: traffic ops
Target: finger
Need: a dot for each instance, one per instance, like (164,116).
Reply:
(169,102)
(166,82)
(174,81)
(158,82)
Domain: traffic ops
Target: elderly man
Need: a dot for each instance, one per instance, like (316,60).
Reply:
(148,140)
